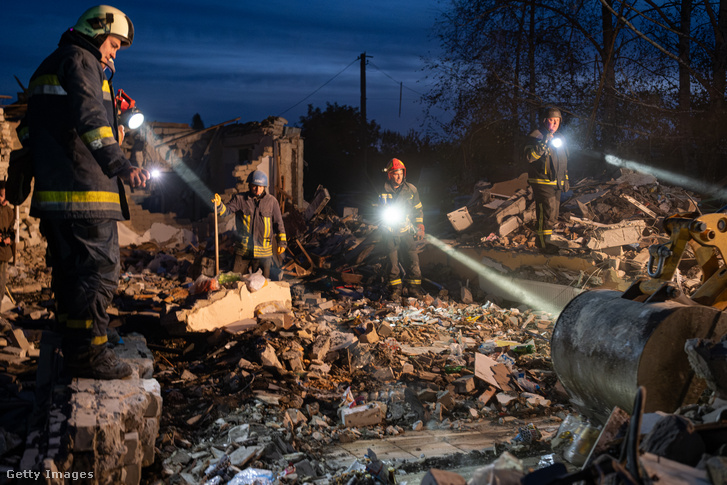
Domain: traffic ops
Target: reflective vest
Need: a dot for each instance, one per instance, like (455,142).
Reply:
(256,220)
(406,196)
(549,168)
(72,134)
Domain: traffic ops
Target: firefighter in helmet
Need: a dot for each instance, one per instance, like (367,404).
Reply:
(257,218)
(403,224)
(73,137)
(547,155)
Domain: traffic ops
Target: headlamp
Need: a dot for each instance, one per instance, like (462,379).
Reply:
(556,142)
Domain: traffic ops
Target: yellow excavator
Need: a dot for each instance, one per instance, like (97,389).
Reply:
(606,344)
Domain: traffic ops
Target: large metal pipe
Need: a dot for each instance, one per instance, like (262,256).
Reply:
(604,347)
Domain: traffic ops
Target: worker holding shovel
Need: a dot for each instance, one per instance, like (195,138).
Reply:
(257,218)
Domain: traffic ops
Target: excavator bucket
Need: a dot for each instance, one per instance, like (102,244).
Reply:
(606,344)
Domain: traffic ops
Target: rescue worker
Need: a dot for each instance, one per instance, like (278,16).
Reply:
(258,216)
(402,212)
(78,195)
(547,176)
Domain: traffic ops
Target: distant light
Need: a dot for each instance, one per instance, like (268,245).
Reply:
(557,142)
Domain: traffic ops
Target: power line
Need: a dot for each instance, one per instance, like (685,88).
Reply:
(397,82)
(321,87)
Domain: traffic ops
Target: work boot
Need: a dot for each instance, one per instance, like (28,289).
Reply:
(415,291)
(106,365)
(395,294)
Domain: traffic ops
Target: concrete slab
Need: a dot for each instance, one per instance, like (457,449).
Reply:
(412,445)
(229,307)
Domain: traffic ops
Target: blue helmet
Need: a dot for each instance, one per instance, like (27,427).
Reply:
(258,178)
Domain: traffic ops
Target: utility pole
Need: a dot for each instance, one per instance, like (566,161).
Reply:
(364,137)
(363,87)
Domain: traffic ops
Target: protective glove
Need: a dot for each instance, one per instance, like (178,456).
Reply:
(420,232)
(281,249)
(219,206)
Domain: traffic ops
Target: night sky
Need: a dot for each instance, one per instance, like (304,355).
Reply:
(229,59)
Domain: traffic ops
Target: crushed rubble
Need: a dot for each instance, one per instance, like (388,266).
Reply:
(322,359)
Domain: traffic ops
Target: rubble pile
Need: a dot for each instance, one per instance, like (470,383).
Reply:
(265,399)
(612,222)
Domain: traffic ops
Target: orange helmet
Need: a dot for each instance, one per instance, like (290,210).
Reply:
(395,164)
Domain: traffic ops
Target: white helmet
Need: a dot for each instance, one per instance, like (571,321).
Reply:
(106,20)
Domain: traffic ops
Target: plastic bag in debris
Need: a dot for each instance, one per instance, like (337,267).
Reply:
(252,476)
(254,281)
(506,470)
(228,277)
(204,284)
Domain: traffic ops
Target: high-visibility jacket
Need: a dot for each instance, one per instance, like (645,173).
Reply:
(256,218)
(72,135)
(406,196)
(548,165)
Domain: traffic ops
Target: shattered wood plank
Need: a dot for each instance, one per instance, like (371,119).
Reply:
(641,206)
(483,369)
(502,376)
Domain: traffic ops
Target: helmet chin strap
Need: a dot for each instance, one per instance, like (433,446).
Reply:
(112,67)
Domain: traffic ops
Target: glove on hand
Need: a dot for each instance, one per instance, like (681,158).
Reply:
(420,232)
(281,249)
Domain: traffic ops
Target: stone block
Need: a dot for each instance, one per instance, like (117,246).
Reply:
(83,425)
(133,450)
(228,307)
(368,414)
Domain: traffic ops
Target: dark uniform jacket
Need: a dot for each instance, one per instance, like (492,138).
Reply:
(406,197)
(548,165)
(72,135)
(257,219)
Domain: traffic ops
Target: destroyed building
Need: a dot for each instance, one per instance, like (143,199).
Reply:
(318,378)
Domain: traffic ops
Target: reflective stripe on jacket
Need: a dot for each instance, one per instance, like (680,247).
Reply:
(407,197)
(72,134)
(257,219)
(548,168)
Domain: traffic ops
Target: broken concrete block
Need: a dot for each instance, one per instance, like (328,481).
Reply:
(269,358)
(229,307)
(512,207)
(17,337)
(368,414)
(616,235)
(460,219)
(446,399)
(509,225)
(465,384)
(279,320)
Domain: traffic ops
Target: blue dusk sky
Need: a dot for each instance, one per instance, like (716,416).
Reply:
(229,59)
